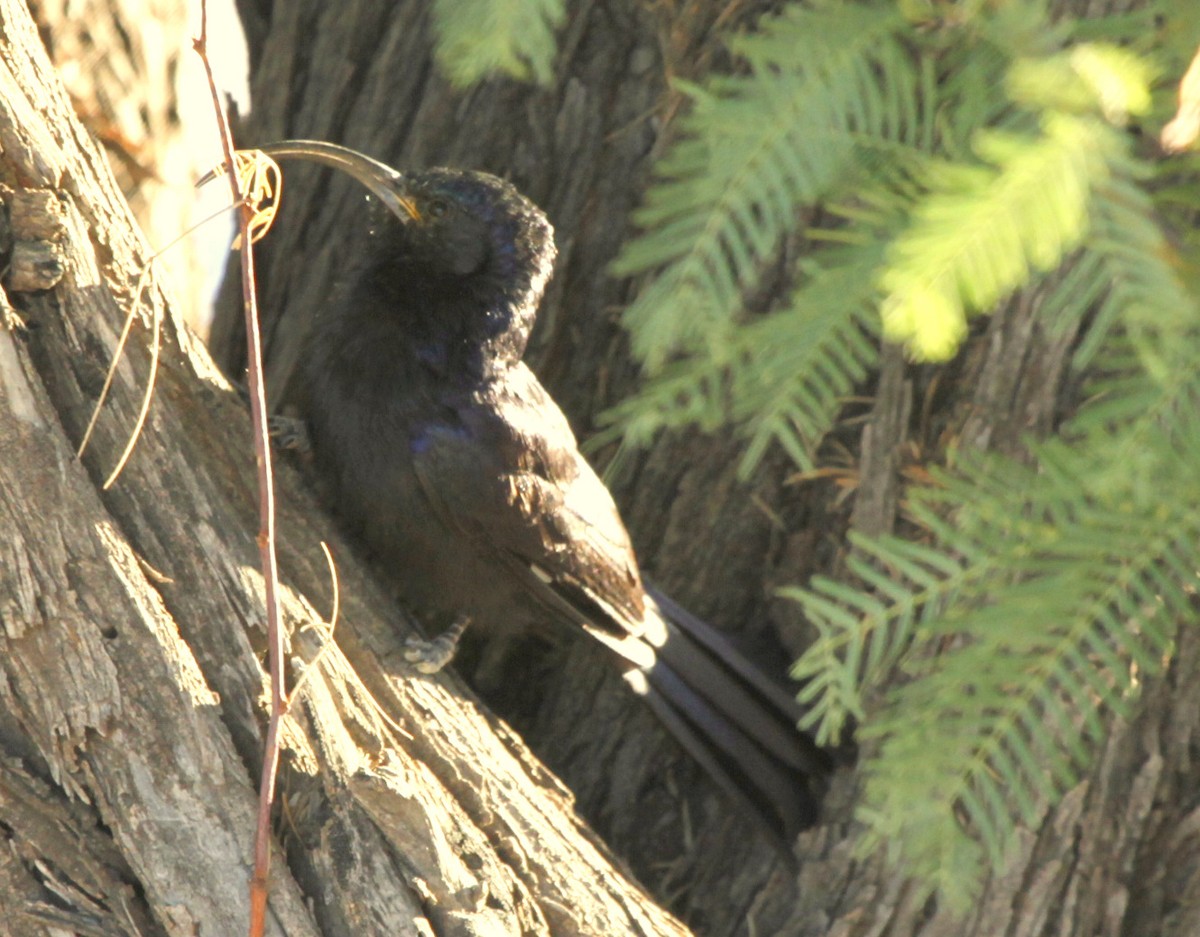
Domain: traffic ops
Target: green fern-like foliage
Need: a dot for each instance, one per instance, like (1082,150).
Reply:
(985,229)
(754,149)
(781,379)
(840,107)
(1057,586)
(835,99)
(953,163)
(978,239)
(480,38)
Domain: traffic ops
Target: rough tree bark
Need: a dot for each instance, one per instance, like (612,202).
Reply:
(1116,857)
(130,633)
(121,62)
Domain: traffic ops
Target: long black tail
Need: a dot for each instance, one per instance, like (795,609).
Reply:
(737,722)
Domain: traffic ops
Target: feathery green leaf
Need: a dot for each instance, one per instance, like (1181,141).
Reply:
(480,38)
(754,150)
(983,233)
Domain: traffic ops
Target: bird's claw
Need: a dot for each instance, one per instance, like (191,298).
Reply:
(289,433)
(432,656)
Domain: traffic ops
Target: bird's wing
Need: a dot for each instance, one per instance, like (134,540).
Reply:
(505,470)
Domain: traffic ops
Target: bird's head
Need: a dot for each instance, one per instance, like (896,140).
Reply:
(463,248)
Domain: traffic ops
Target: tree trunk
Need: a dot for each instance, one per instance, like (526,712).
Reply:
(121,62)
(131,629)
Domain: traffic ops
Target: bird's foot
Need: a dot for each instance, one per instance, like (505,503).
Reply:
(289,432)
(432,656)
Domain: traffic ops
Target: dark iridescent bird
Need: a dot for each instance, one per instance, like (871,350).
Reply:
(447,457)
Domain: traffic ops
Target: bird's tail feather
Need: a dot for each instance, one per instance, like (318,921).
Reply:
(737,723)
(704,634)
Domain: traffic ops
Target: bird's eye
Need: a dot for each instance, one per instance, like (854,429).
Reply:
(438,207)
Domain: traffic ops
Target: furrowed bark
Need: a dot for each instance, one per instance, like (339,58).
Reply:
(131,638)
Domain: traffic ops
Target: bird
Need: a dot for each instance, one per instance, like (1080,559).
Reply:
(442,452)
